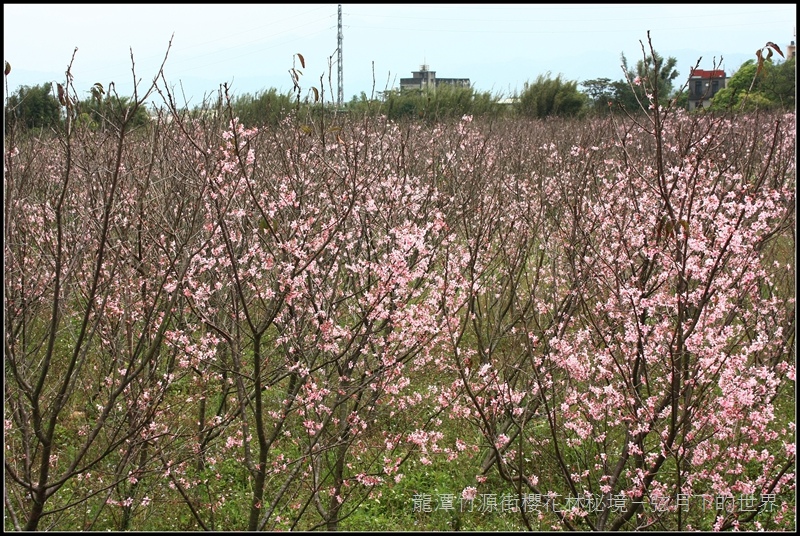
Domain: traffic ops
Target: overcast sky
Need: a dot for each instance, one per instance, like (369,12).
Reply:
(251,47)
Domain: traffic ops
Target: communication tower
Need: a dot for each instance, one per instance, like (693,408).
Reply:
(340,98)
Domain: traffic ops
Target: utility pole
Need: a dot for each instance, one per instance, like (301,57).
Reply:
(340,99)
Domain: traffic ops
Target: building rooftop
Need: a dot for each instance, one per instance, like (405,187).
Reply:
(702,73)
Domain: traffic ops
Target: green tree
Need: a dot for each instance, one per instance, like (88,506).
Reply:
(736,87)
(601,92)
(33,107)
(444,102)
(267,107)
(653,75)
(780,84)
(748,89)
(361,105)
(406,104)
(111,110)
(551,97)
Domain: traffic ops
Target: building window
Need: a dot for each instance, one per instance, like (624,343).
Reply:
(714,87)
(698,88)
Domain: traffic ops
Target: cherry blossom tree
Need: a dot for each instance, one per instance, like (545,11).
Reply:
(90,245)
(314,303)
(646,340)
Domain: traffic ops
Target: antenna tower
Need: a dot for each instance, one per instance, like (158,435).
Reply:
(340,98)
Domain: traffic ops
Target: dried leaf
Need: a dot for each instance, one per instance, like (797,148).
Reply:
(61,94)
(760,64)
(316,94)
(776,48)
(8,68)
(97,91)
(302,60)
(664,229)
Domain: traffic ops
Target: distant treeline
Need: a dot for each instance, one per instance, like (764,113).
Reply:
(769,88)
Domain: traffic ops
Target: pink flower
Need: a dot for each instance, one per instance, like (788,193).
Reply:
(469,493)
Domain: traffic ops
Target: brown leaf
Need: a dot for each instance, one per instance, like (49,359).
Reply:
(61,94)
(8,68)
(665,229)
(97,91)
(776,47)
(760,65)
(302,60)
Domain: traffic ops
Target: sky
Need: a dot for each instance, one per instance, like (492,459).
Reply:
(253,47)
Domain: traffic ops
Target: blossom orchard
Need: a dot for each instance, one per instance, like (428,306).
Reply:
(642,344)
(228,328)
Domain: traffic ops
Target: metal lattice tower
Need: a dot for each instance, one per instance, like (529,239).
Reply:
(340,99)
